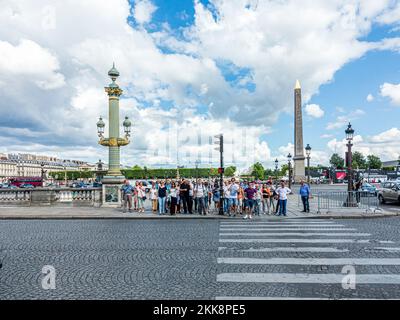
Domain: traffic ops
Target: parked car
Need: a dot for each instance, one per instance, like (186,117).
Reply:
(370,189)
(390,191)
(27,186)
(8,186)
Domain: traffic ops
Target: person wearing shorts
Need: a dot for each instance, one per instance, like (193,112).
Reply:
(233,190)
(250,193)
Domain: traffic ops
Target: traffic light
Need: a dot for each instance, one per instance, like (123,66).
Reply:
(220,142)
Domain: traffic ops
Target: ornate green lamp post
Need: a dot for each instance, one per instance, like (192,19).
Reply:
(114,177)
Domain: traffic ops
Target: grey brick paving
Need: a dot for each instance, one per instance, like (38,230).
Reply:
(176,259)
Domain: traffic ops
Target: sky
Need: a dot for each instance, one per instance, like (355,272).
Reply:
(191,69)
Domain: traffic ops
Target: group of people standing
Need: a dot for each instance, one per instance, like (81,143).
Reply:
(202,196)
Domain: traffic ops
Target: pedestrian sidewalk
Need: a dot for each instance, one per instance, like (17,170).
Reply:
(294,209)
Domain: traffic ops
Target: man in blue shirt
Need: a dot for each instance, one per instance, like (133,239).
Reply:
(127,191)
(305,196)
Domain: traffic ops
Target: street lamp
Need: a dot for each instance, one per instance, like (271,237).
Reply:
(65,175)
(308,153)
(127,127)
(114,142)
(290,171)
(349,137)
(100,127)
(276,170)
(197,168)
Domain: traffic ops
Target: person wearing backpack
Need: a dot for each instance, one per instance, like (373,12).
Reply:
(199,194)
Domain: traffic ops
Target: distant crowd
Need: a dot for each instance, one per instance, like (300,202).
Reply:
(189,196)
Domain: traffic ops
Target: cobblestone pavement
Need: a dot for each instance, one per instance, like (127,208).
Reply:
(200,259)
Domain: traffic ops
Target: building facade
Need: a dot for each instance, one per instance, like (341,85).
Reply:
(30,165)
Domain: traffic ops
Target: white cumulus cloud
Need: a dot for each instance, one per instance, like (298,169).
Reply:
(143,11)
(29,59)
(391,91)
(314,110)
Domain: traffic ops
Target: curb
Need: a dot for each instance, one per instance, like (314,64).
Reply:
(21,217)
(321,216)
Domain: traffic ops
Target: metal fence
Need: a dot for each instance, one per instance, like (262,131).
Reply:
(347,200)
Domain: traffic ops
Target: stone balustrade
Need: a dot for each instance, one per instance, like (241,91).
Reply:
(68,197)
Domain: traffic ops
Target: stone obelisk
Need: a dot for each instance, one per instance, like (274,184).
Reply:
(299,167)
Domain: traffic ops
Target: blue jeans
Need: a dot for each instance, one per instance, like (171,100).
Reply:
(161,205)
(201,208)
(226,204)
(282,207)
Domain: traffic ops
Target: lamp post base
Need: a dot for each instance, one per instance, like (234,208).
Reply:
(112,196)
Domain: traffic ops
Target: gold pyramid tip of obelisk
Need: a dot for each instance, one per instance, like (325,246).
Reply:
(297,85)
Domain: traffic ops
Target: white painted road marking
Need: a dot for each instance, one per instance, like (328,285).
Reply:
(293,249)
(281,225)
(297,234)
(287,229)
(290,298)
(327,278)
(313,261)
(294,240)
(388,249)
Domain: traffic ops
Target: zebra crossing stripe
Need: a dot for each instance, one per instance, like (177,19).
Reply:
(292,241)
(321,278)
(292,249)
(285,234)
(281,225)
(312,261)
(393,249)
(276,222)
(290,298)
(287,229)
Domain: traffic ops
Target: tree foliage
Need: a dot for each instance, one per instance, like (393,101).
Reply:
(258,171)
(337,161)
(358,160)
(374,162)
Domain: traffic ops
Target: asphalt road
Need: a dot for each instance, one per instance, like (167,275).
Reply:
(200,259)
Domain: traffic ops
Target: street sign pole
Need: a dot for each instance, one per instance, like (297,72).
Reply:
(221,172)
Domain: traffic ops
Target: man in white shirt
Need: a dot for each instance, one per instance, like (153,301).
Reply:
(282,192)
(232,193)
(199,194)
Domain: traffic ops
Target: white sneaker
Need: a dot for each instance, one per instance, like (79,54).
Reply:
(250,217)
(245,217)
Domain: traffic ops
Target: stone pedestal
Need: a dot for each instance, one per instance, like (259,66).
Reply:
(112,191)
(299,171)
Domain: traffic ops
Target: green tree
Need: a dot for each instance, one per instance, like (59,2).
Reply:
(358,160)
(258,171)
(136,167)
(374,162)
(230,171)
(284,169)
(337,161)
